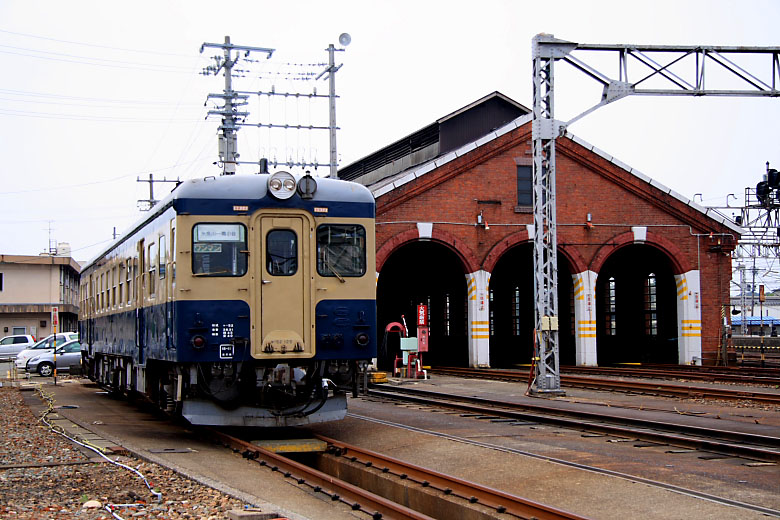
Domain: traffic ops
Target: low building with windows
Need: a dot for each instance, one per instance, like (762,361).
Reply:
(30,286)
(643,272)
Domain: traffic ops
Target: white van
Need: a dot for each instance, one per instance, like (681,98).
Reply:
(10,346)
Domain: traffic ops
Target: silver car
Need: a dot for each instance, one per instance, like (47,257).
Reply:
(44,345)
(67,355)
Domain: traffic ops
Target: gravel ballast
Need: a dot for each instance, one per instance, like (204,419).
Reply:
(43,475)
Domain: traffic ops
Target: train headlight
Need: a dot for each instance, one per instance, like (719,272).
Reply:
(281,185)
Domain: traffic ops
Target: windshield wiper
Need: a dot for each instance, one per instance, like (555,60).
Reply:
(333,270)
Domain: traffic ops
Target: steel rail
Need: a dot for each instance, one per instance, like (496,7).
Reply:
(619,385)
(350,494)
(577,465)
(671,389)
(757,447)
(672,372)
(449,485)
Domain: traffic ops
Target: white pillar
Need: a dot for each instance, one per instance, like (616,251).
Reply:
(688,317)
(585,318)
(479,318)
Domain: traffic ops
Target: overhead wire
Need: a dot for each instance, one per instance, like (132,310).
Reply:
(93,45)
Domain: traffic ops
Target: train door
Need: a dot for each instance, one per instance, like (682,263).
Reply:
(285,287)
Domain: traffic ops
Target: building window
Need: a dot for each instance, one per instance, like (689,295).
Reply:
(490,312)
(516,312)
(447,314)
(651,310)
(610,308)
(1,281)
(525,186)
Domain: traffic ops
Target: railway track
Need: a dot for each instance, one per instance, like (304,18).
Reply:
(375,506)
(692,373)
(764,448)
(649,388)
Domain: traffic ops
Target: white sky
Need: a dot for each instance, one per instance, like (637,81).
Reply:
(94,94)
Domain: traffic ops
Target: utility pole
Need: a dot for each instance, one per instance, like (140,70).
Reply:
(344,40)
(228,152)
(147,204)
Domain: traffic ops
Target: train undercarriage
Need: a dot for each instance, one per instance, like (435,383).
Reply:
(245,393)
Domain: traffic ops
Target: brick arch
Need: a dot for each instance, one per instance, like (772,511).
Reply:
(501,247)
(439,236)
(571,253)
(680,263)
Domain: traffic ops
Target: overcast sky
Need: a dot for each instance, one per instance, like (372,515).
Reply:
(95,94)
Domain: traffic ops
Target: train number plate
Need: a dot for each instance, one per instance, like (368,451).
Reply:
(226,351)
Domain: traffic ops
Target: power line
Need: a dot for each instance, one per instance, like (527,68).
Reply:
(134,106)
(29,93)
(74,117)
(93,45)
(147,67)
(107,181)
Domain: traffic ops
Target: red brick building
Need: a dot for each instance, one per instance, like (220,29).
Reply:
(643,271)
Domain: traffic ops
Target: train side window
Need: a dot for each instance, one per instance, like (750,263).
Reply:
(173,254)
(129,280)
(163,257)
(341,250)
(113,286)
(281,252)
(151,254)
(219,250)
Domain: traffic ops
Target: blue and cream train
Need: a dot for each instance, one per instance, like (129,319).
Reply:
(244,300)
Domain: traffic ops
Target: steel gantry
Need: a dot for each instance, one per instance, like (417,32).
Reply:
(660,70)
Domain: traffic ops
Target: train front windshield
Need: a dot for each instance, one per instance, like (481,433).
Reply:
(219,250)
(341,250)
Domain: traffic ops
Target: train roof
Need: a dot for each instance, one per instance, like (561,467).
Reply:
(256,187)
(220,195)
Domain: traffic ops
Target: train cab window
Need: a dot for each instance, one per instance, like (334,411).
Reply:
(219,250)
(341,250)
(281,252)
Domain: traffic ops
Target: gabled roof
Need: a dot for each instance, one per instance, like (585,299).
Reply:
(493,95)
(440,137)
(388,184)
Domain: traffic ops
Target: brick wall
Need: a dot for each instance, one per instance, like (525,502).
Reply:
(454,194)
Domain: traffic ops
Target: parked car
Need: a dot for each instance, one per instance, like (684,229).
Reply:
(68,354)
(44,345)
(10,346)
